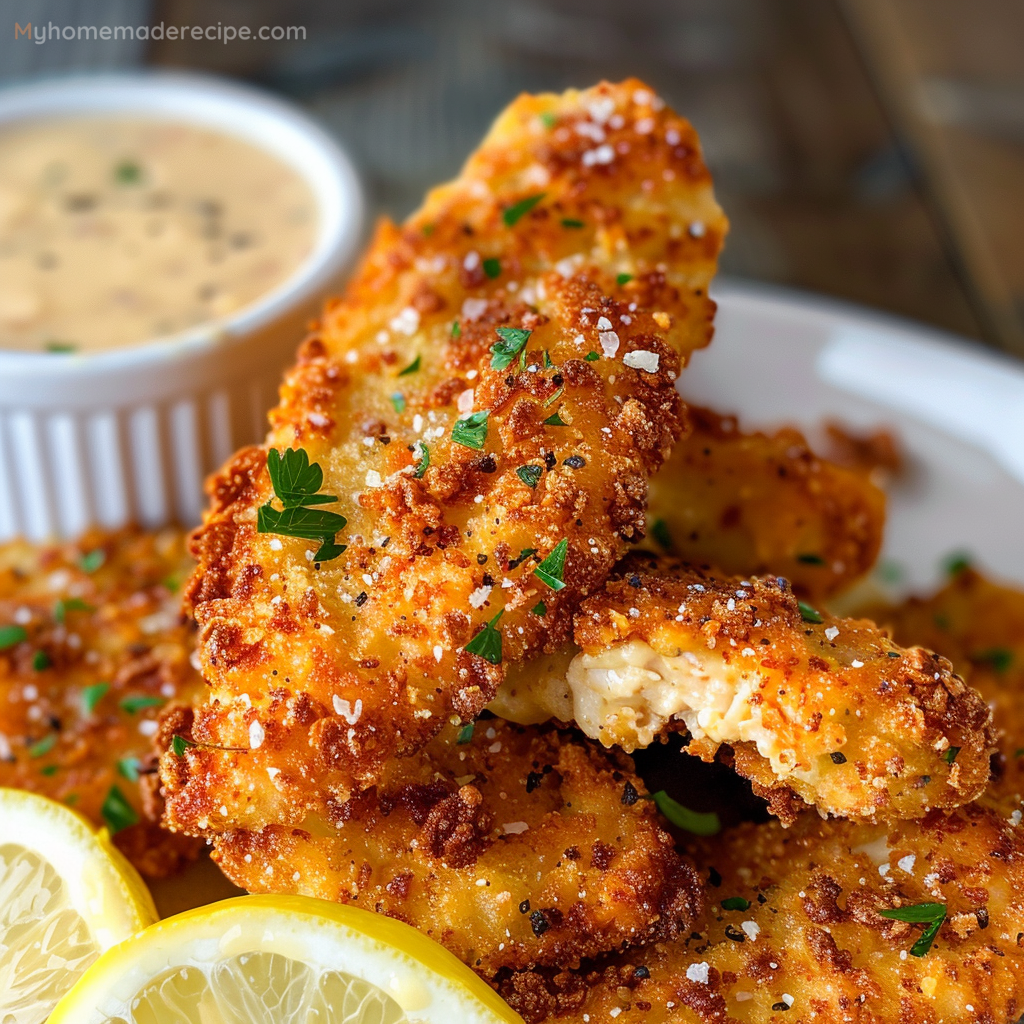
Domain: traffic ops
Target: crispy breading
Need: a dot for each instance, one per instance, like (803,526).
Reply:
(812,945)
(94,646)
(815,708)
(979,625)
(521,846)
(764,503)
(608,271)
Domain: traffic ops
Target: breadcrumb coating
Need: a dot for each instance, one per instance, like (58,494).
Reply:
(518,847)
(93,647)
(796,932)
(816,709)
(751,502)
(585,224)
(979,625)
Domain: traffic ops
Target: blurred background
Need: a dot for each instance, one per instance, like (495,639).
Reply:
(868,149)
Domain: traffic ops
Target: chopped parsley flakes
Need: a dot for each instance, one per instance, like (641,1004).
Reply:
(809,614)
(411,368)
(487,643)
(492,268)
(524,206)
(931,914)
(552,570)
(117,812)
(512,340)
(530,475)
(695,822)
(471,431)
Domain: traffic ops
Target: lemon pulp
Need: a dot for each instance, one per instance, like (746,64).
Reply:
(41,934)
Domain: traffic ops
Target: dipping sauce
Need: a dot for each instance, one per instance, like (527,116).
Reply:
(115,231)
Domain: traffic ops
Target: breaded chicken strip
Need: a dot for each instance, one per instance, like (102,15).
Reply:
(798,932)
(823,709)
(764,503)
(518,847)
(486,405)
(92,646)
(979,625)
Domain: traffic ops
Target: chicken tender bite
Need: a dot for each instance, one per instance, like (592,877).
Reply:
(765,503)
(797,932)
(486,404)
(823,709)
(979,625)
(93,646)
(518,847)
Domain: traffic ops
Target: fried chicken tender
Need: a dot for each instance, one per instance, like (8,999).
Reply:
(765,503)
(518,847)
(815,708)
(797,934)
(92,646)
(585,229)
(979,625)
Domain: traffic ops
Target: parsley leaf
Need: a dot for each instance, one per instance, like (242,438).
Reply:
(424,460)
(530,475)
(72,604)
(956,563)
(621,279)
(591,357)
(471,431)
(117,812)
(64,347)
(411,368)
(735,903)
(554,420)
(809,614)
(811,559)
(465,733)
(92,695)
(572,222)
(552,569)
(180,744)
(128,768)
(932,914)
(456,329)
(524,206)
(1000,658)
(11,635)
(398,401)
(548,119)
(554,397)
(660,532)
(40,661)
(295,480)
(492,268)
(305,523)
(540,608)
(127,172)
(950,755)
(487,643)
(695,822)
(133,704)
(92,560)
(43,746)
(511,344)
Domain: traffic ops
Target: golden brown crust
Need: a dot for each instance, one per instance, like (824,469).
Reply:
(811,946)
(116,621)
(517,848)
(757,503)
(832,710)
(391,367)
(979,625)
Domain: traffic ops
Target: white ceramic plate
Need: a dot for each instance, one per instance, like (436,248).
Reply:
(958,409)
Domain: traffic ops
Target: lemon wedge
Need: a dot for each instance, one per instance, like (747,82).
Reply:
(280,960)
(66,896)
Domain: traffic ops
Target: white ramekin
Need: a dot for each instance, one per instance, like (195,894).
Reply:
(128,435)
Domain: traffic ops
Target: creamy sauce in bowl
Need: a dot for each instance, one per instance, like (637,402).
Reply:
(118,230)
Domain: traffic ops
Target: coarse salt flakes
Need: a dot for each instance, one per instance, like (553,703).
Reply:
(698,972)
(832,632)
(591,131)
(464,403)
(642,359)
(275,544)
(603,154)
(907,863)
(373,478)
(644,125)
(609,343)
(471,260)
(751,929)
(407,322)
(256,735)
(697,229)
(318,419)
(438,652)
(514,828)
(479,596)
(856,663)
(604,324)
(788,999)
(473,309)
(149,727)
(601,108)
(346,710)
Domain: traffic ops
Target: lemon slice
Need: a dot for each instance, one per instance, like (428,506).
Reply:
(66,896)
(280,960)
